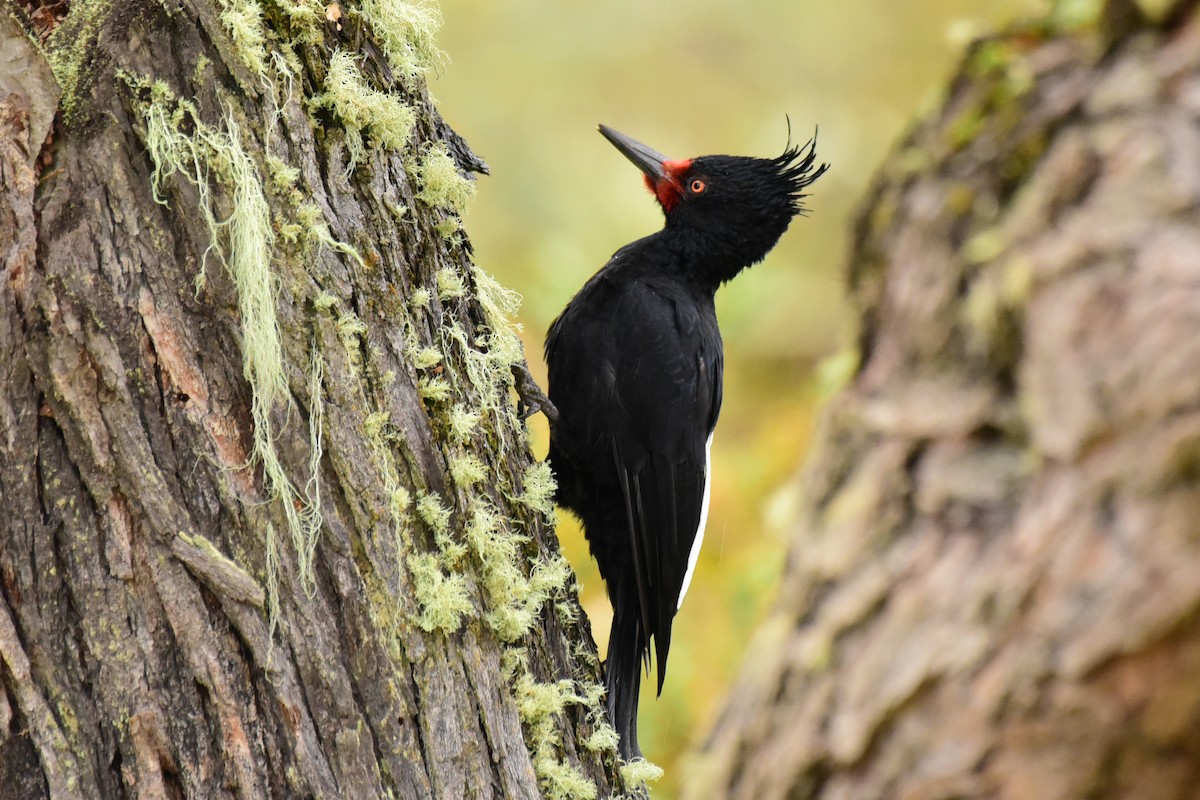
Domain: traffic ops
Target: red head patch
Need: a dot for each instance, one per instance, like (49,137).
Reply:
(669,188)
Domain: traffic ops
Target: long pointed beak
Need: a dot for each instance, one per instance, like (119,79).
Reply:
(647,160)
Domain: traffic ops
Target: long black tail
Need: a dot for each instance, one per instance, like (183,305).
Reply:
(623,671)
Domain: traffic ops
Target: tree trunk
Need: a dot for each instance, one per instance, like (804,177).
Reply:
(271,524)
(994,586)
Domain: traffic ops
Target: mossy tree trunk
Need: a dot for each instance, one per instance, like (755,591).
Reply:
(275,533)
(994,587)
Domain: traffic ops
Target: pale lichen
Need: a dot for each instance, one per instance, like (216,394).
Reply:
(538,705)
(442,185)
(462,422)
(180,142)
(408,33)
(384,117)
(538,493)
(467,470)
(243,21)
(639,772)
(450,284)
(443,598)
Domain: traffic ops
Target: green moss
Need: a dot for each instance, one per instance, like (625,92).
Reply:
(516,600)
(203,543)
(283,175)
(561,781)
(374,426)
(1070,15)
(72,48)
(316,232)
(399,501)
(538,704)
(306,18)
(450,230)
(385,118)
(202,65)
(325,301)
(965,127)
(350,328)
(984,246)
(604,739)
(499,304)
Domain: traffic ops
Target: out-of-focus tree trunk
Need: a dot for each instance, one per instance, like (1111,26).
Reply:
(994,586)
(277,533)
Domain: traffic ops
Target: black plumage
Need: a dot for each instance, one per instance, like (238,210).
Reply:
(635,366)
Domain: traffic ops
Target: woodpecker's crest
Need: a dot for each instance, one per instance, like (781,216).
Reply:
(734,208)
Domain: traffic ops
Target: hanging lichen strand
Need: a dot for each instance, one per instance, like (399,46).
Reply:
(244,243)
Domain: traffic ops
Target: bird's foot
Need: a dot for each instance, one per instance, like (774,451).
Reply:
(531,398)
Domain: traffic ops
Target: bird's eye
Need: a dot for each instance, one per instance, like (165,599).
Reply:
(697,186)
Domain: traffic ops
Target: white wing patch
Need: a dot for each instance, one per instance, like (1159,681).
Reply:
(691,567)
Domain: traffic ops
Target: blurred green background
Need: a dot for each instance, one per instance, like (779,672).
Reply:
(526,83)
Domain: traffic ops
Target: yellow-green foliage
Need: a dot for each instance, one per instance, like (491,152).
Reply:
(244,242)
(443,598)
(243,20)
(408,33)
(539,488)
(1075,14)
(385,117)
(442,186)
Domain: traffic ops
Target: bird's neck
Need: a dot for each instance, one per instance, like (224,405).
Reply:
(710,259)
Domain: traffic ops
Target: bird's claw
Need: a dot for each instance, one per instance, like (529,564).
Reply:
(531,398)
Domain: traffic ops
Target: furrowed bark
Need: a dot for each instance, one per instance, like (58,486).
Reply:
(992,591)
(171,627)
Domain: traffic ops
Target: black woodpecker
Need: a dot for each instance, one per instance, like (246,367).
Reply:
(635,366)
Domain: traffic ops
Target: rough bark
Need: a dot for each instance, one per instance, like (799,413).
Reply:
(993,587)
(167,629)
